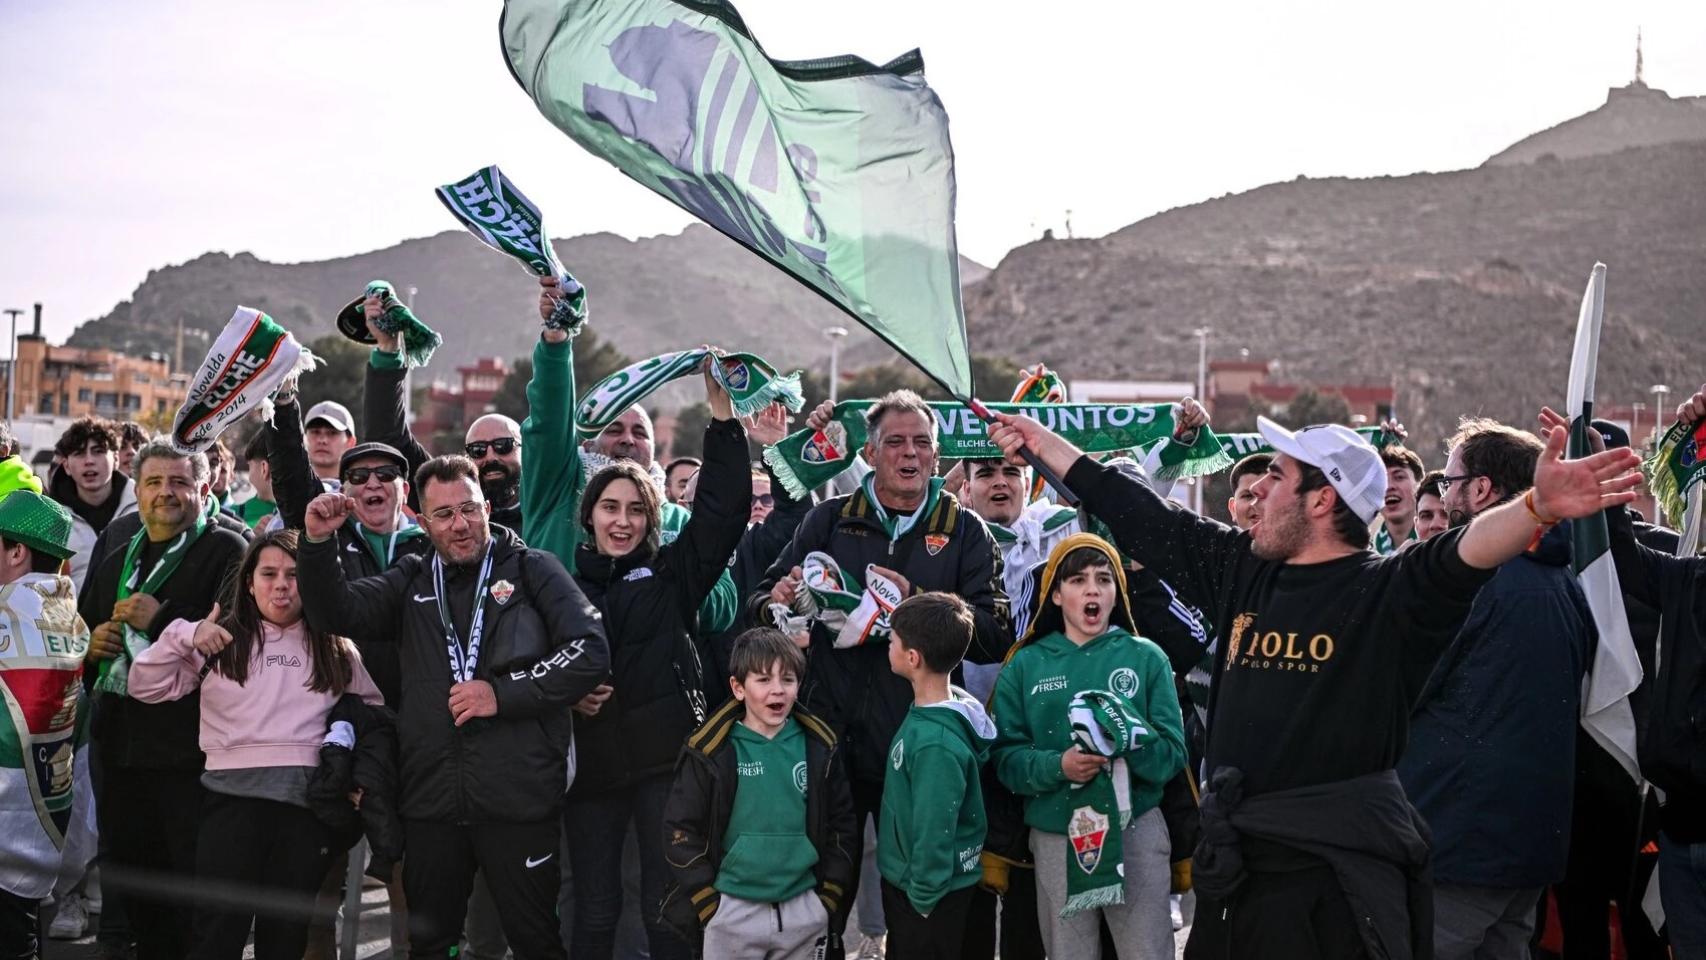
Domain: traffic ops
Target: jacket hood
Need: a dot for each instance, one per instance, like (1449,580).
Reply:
(713,735)
(1555,548)
(62,488)
(962,711)
(1049,618)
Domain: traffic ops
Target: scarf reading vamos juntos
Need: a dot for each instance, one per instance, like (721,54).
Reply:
(752,385)
(1106,724)
(807,458)
(250,358)
(504,219)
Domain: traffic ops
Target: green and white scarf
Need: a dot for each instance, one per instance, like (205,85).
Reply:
(752,385)
(418,340)
(807,458)
(1677,467)
(247,363)
(827,595)
(115,673)
(1107,725)
(504,219)
(1383,544)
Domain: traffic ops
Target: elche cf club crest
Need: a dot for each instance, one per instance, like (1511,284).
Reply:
(825,446)
(1088,831)
(736,374)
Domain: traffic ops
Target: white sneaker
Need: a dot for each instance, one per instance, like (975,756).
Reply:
(871,948)
(71,920)
(1175,907)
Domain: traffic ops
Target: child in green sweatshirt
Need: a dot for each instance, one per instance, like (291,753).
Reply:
(930,832)
(1089,733)
(759,822)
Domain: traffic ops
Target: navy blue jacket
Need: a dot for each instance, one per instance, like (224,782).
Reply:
(1491,758)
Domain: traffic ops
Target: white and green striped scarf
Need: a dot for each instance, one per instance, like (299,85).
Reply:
(752,385)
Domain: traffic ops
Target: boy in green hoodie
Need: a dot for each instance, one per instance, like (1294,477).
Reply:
(930,832)
(759,822)
(1089,733)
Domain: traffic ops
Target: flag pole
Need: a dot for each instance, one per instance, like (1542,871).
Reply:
(1049,476)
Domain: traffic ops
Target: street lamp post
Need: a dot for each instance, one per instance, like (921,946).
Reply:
(835,335)
(1661,394)
(1202,398)
(12,367)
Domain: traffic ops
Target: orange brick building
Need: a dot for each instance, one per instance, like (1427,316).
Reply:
(75,382)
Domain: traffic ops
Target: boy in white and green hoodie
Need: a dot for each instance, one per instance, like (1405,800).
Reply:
(931,829)
(1089,732)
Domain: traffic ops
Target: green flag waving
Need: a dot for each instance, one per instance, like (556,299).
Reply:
(835,170)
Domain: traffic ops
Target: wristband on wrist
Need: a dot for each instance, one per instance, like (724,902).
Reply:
(1528,504)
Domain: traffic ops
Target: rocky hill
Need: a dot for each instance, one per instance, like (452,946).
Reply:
(1635,115)
(1462,287)
(647,296)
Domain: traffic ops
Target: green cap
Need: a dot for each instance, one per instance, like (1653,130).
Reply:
(37,522)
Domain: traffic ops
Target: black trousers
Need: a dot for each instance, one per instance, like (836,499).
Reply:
(1020,934)
(1298,915)
(520,861)
(150,820)
(18,926)
(867,802)
(940,936)
(258,862)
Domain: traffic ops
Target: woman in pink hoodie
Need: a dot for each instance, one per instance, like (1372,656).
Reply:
(267,681)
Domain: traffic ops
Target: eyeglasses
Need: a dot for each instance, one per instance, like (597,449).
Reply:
(502,446)
(1446,482)
(470,510)
(763,500)
(358,476)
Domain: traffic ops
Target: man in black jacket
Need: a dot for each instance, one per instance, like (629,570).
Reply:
(1323,646)
(496,643)
(150,754)
(905,528)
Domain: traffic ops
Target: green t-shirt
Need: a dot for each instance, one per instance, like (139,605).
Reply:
(767,857)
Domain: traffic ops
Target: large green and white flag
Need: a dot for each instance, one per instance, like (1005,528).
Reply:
(1616,671)
(836,170)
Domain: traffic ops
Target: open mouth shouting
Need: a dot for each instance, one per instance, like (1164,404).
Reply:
(372,500)
(774,709)
(1092,613)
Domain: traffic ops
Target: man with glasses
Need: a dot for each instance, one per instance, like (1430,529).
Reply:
(496,643)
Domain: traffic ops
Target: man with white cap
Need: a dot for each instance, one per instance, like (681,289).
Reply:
(1309,846)
(328,430)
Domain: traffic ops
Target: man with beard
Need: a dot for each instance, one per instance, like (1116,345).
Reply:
(675,477)
(1310,848)
(899,526)
(88,483)
(1397,523)
(149,754)
(1491,757)
(496,643)
(493,442)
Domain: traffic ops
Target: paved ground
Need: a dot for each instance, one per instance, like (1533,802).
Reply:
(375,937)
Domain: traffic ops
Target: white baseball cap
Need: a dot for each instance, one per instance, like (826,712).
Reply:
(331,412)
(1352,466)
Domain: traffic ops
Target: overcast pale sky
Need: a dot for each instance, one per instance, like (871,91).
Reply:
(136,135)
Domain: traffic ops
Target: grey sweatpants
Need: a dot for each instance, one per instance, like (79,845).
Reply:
(1142,928)
(745,930)
(1483,923)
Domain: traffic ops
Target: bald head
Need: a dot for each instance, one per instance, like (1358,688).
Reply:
(494,444)
(628,437)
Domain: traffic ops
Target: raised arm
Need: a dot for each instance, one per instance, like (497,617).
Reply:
(293,481)
(551,476)
(385,400)
(700,555)
(363,610)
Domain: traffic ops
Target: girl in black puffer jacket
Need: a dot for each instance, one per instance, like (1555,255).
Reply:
(630,731)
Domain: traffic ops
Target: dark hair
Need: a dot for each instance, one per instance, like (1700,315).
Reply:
(1398,455)
(224,453)
(131,434)
(680,462)
(1080,560)
(40,562)
(162,448)
(446,469)
(82,431)
(1349,527)
(937,625)
(650,497)
(1504,455)
(1430,486)
(1256,463)
(759,649)
(329,656)
(259,446)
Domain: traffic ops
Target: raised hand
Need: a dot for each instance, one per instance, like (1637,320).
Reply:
(821,415)
(550,291)
(1693,410)
(1551,419)
(1567,489)
(1189,418)
(722,408)
(1010,433)
(787,587)
(768,426)
(371,310)
(326,513)
(210,637)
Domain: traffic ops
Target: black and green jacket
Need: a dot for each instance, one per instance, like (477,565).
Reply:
(702,800)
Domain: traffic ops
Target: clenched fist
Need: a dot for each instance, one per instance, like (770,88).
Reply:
(326,513)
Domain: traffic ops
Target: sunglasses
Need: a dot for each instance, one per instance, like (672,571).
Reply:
(502,446)
(357,476)
(763,500)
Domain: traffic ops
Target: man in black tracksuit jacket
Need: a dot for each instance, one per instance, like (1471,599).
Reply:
(943,548)
(483,752)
